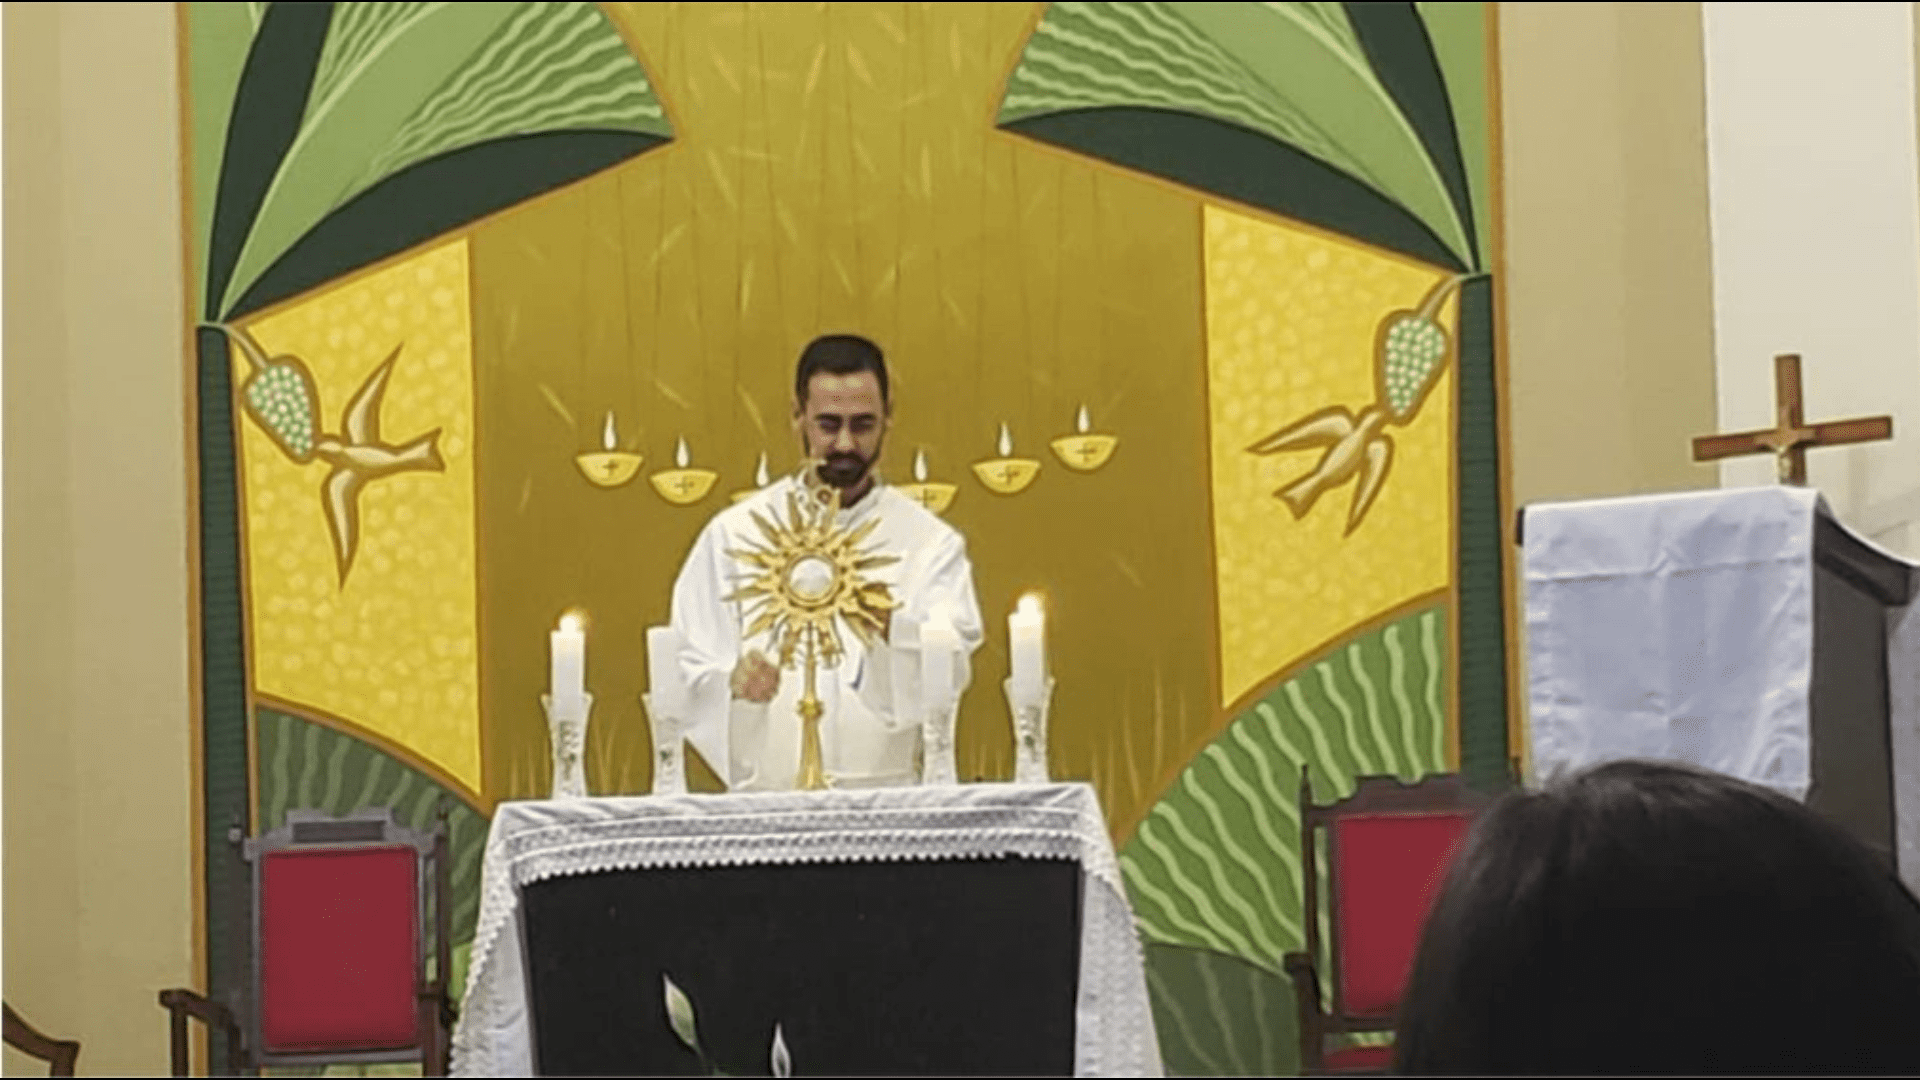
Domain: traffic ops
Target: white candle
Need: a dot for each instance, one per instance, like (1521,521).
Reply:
(939,641)
(1027,643)
(663,669)
(568,682)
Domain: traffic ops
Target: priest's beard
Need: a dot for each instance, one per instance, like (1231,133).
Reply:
(849,471)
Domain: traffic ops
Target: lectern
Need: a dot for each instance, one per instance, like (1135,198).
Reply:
(1743,630)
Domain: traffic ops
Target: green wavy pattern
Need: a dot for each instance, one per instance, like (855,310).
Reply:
(552,67)
(397,83)
(307,766)
(1089,55)
(1295,72)
(1215,865)
(355,36)
(1220,1016)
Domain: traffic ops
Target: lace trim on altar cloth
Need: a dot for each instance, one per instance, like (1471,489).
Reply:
(534,841)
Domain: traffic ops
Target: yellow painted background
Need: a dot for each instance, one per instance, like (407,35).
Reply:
(1292,321)
(835,168)
(393,651)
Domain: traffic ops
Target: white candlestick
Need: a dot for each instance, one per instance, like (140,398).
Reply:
(567,735)
(663,670)
(1027,644)
(567,684)
(939,641)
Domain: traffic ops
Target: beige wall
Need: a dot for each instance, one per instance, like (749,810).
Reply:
(1609,281)
(1610,361)
(98,882)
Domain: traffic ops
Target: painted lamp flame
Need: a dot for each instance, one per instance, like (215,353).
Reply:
(760,480)
(609,466)
(1006,474)
(934,496)
(683,485)
(1084,450)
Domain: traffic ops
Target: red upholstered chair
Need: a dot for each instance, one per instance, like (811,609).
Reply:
(340,913)
(1387,847)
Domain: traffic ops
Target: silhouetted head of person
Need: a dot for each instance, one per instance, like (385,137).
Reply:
(1650,918)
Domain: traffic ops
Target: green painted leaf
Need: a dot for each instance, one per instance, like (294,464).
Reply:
(304,765)
(400,83)
(218,37)
(552,67)
(1094,55)
(680,1014)
(1310,56)
(1220,1016)
(1400,52)
(1215,865)
(1237,163)
(379,62)
(1293,71)
(1459,34)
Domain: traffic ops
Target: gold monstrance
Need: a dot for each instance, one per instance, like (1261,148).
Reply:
(810,575)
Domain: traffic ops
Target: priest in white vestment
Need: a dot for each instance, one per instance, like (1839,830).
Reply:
(742,711)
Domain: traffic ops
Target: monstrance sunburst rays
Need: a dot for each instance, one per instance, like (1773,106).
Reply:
(810,576)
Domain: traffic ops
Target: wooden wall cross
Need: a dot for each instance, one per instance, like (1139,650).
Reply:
(1791,435)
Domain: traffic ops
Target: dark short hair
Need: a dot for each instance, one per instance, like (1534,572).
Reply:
(1645,917)
(840,354)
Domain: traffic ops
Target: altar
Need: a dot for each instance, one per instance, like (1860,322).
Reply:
(957,929)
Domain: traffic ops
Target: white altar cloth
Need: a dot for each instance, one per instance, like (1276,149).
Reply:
(531,841)
(1680,627)
(1675,627)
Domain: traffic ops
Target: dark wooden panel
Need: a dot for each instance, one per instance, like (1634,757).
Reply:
(1852,743)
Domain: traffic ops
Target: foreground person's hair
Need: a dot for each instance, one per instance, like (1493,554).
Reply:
(1653,918)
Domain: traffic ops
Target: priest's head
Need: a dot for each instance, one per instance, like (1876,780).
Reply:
(1645,917)
(841,408)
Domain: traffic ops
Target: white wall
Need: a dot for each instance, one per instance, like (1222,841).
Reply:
(1816,239)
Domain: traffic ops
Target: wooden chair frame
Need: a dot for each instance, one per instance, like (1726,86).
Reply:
(61,1055)
(1439,794)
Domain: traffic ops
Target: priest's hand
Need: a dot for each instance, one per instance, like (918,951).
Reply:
(755,679)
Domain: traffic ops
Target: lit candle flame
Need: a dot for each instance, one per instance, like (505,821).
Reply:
(919,466)
(760,473)
(1029,604)
(606,434)
(680,456)
(1081,422)
(1006,440)
(570,622)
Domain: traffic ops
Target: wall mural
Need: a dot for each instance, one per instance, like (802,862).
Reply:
(1190,314)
